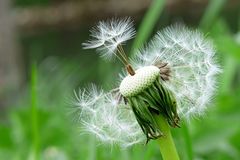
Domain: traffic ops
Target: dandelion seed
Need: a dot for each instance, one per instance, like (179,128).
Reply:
(107,36)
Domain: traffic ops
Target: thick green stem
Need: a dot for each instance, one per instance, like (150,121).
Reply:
(167,146)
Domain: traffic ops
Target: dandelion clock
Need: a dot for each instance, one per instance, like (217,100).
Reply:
(172,78)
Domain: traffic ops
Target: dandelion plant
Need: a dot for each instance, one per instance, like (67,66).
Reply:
(172,78)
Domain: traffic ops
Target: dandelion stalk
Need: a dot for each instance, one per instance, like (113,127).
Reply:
(166,143)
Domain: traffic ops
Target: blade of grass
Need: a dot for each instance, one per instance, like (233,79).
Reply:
(187,140)
(226,44)
(125,155)
(92,148)
(212,11)
(230,66)
(224,40)
(229,48)
(148,24)
(34,112)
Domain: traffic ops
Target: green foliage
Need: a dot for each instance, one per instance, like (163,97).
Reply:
(34,113)
(148,23)
(40,125)
(211,13)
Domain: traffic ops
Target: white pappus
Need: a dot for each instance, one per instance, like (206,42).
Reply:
(190,57)
(106,36)
(111,122)
(191,71)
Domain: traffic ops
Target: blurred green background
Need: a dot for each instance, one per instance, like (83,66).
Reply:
(42,62)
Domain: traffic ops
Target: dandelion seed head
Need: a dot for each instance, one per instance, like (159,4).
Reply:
(107,36)
(190,57)
(144,77)
(190,62)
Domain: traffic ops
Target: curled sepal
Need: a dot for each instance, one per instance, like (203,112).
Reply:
(154,100)
(144,117)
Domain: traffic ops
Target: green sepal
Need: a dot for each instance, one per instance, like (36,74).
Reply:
(154,100)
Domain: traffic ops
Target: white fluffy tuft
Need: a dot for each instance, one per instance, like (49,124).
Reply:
(190,57)
(111,122)
(106,36)
(193,68)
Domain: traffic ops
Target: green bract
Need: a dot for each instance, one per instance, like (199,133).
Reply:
(148,98)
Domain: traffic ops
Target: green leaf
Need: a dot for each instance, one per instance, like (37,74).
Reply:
(228,45)
(148,23)
(212,11)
